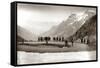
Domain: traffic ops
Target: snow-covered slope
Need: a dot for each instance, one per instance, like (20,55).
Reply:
(70,25)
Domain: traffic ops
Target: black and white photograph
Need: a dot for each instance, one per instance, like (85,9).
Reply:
(55,33)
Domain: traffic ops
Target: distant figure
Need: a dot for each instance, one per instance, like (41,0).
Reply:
(88,41)
(81,40)
(72,41)
(66,43)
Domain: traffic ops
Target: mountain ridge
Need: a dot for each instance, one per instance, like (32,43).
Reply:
(25,34)
(70,25)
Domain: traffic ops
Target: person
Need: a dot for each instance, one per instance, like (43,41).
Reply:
(81,40)
(72,41)
(88,41)
(66,43)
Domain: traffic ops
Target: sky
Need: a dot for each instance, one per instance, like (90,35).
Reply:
(40,18)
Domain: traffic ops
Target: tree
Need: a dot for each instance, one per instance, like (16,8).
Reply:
(40,38)
(47,39)
(62,38)
(54,38)
(59,39)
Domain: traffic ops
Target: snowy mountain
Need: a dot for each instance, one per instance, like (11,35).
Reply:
(71,25)
(25,34)
(88,29)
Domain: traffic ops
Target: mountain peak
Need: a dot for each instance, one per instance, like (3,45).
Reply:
(70,25)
